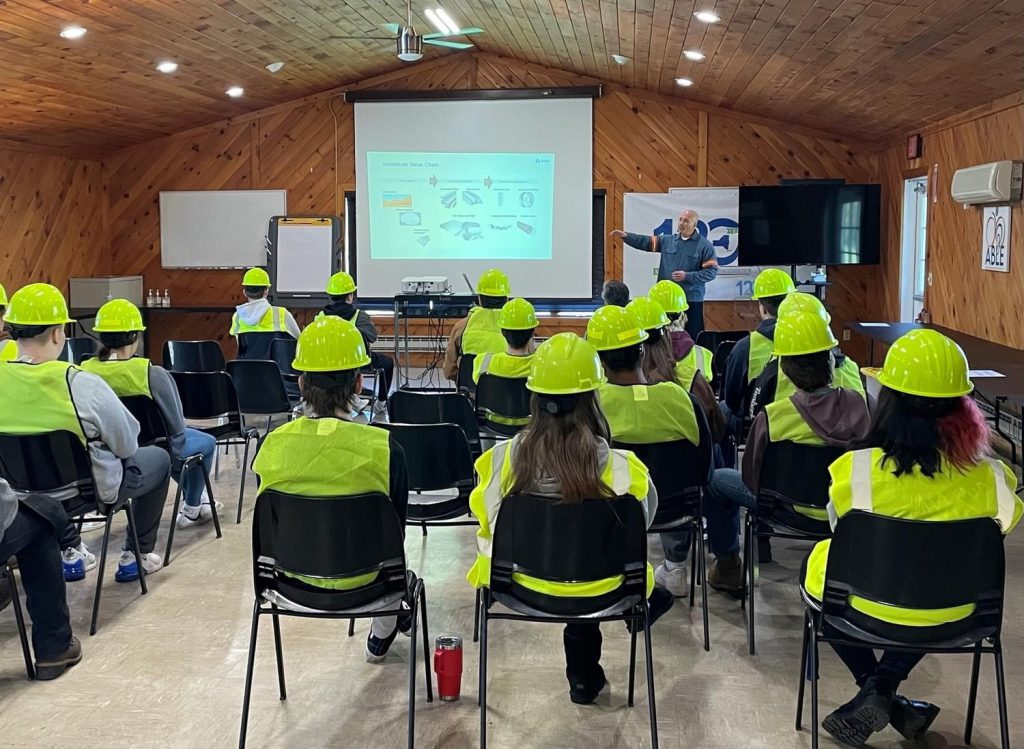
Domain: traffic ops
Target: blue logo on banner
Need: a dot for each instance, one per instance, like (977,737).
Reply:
(726,230)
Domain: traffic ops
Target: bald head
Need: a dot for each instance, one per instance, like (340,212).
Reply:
(688,222)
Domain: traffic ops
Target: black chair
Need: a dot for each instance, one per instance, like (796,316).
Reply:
(436,407)
(712,339)
(791,502)
(464,382)
(153,431)
(54,462)
(193,356)
(593,540)
(260,388)
(680,472)
(208,396)
(504,397)
(329,537)
(282,351)
(19,618)
(76,350)
(718,360)
(918,565)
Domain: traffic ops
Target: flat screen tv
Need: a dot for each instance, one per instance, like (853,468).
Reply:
(827,224)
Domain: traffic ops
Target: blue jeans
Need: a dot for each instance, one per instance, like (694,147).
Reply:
(193,482)
(726,494)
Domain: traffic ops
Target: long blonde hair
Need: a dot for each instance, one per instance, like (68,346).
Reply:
(658,363)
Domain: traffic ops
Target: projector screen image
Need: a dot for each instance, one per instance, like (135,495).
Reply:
(460,206)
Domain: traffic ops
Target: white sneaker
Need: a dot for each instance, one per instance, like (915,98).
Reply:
(81,553)
(151,562)
(189,516)
(674,579)
(204,509)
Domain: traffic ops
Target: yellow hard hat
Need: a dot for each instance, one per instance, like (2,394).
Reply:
(493,283)
(37,304)
(118,316)
(926,363)
(650,314)
(563,365)
(330,344)
(256,277)
(801,301)
(614,327)
(517,314)
(772,282)
(803,333)
(670,296)
(3,296)
(341,284)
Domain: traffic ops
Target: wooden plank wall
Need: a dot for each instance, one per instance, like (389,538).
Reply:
(643,142)
(962,296)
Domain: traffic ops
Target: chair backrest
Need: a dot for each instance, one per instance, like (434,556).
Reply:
(718,360)
(916,564)
(260,344)
(502,396)
(282,351)
(152,427)
(437,456)
(435,407)
(207,395)
(547,539)
(259,386)
(796,476)
(76,349)
(465,377)
(193,356)
(46,462)
(329,536)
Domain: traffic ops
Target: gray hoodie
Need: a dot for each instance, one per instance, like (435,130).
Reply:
(252,312)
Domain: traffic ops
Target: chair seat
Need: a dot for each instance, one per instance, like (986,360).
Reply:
(445,509)
(530,603)
(221,431)
(380,603)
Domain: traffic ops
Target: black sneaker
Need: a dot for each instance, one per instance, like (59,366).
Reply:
(660,601)
(853,723)
(764,550)
(586,693)
(56,665)
(911,718)
(377,649)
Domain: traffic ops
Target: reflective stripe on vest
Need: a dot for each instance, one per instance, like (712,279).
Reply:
(126,378)
(686,368)
(482,334)
(38,399)
(758,355)
(326,458)
(644,414)
(271,322)
(8,351)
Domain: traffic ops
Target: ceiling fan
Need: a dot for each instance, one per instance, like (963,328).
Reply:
(410,44)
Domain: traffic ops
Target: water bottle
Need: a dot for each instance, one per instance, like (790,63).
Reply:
(448,667)
(167,298)
(151,298)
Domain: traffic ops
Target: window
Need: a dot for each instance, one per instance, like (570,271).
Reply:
(849,231)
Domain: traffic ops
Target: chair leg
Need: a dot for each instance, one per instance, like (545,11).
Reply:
(423,525)
(746,558)
(174,523)
(19,618)
(213,499)
(351,627)
(649,657)
(99,574)
(632,663)
(411,730)
(972,697)
(476,617)
(702,561)
(133,529)
(803,674)
(426,644)
(693,571)
(254,629)
(241,483)
(483,681)
(1004,725)
(282,692)
(813,655)
(751,550)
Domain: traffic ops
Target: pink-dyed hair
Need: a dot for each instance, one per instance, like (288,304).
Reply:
(965,434)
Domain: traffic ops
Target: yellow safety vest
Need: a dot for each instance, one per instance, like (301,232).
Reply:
(785,424)
(38,399)
(848,376)
(623,473)
(326,457)
(271,322)
(758,355)
(482,334)
(8,351)
(644,414)
(502,365)
(861,482)
(687,367)
(126,378)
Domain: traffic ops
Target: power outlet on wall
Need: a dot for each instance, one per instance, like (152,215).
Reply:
(846,335)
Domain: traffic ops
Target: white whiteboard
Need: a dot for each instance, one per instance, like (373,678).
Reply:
(304,255)
(217,228)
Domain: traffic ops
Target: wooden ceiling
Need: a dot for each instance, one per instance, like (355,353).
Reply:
(871,69)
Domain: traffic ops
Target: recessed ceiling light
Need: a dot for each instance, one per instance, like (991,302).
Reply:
(72,32)
(620,59)
(167,66)
(235,91)
(692,54)
(275,67)
(684,81)
(707,16)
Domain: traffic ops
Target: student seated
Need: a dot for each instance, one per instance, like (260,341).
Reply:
(325,454)
(689,357)
(926,457)
(8,348)
(616,294)
(341,289)
(752,352)
(479,332)
(817,413)
(773,385)
(256,324)
(641,412)
(118,324)
(563,454)
(30,530)
(46,395)
(659,365)
(517,322)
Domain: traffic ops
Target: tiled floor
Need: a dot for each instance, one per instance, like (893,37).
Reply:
(167,669)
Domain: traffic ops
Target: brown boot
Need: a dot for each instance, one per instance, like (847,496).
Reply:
(56,665)
(727,575)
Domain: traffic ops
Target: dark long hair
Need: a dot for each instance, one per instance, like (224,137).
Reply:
(915,431)
(111,341)
(659,364)
(560,445)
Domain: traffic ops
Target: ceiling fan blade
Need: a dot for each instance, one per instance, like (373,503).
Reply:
(461,32)
(367,38)
(451,45)
(394,28)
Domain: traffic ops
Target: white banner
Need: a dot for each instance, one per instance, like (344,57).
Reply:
(995,238)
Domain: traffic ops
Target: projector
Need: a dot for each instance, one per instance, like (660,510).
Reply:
(425,285)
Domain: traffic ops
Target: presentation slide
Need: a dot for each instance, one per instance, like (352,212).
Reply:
(461,206)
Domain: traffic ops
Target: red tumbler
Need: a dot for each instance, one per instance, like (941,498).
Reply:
(448,667)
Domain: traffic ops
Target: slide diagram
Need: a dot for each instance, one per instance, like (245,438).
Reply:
(472,206)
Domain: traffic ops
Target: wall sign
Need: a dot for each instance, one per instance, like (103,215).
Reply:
(995,238)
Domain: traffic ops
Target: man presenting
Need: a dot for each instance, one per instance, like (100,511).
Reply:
(687,258)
